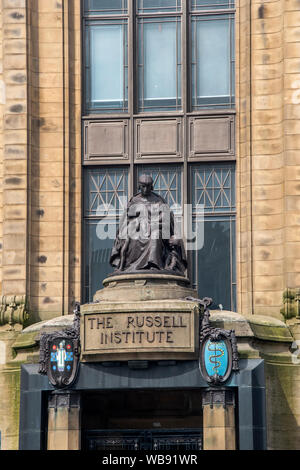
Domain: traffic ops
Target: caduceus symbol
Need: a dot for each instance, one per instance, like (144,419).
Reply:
(213,359)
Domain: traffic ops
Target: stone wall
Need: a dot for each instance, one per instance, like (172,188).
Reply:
(40,226)
(268,141)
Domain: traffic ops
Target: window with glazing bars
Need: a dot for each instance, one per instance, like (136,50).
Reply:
(214,265)
(212,54)
(106,56)
(106,193)
(159,55)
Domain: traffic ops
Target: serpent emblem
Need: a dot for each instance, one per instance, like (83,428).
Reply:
(213,359)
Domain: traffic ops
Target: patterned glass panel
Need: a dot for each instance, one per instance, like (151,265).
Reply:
(105,7)
(214,187)
(213,266)
(167,182)
(211,4)
(105,188)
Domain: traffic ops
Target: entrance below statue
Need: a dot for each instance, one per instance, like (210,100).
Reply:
(142,420)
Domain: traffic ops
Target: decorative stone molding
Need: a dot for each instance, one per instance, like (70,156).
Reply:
(64,400)
(13,310)
(218,396)
(291,303)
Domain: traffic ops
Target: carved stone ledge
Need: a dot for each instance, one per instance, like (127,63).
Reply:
(64,400)
(13,310)
(291,303)
(218,396)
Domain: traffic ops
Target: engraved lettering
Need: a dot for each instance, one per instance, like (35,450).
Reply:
(140,322)
(118,338)
(153,337)
(169,336)
(149,322)
(130,321)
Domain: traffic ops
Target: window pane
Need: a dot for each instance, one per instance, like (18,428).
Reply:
(167,182)
(105,187)
(106,66)
(159,64)
(97,257)
(213,264)
(152,6)
(213,267)
(211,4)
(105,7)
(214,187)
(212,77)
(105,198)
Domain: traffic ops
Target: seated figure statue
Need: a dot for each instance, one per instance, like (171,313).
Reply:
(145,241)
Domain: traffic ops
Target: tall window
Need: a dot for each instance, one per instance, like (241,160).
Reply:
(212,50)
(106,58)
(159,55)
(159,99)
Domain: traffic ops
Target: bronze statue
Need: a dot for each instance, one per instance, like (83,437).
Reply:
(145,240)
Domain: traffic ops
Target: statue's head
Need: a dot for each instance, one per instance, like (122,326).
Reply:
(145,184)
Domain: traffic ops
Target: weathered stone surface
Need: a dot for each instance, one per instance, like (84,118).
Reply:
(160,329)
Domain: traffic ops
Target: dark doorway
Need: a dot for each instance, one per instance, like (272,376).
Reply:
(142,420)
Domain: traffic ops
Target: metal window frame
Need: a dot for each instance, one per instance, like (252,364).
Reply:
(159,17)
(218,15)
(185,113)
(88,12)
(228,216)
(104,21)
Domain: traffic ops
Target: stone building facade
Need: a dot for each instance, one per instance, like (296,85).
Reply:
(44,133)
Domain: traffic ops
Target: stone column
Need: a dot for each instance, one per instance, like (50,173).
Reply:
(64,426)
(219,419)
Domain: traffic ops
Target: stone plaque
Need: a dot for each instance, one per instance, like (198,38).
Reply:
(159,138)
(142,332)
(211,136)
(106,140)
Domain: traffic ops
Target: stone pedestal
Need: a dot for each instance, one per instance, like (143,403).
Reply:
(144,287)
(64,426)
(141,317)
(219,428)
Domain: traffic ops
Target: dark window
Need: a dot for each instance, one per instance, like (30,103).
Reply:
(106,193)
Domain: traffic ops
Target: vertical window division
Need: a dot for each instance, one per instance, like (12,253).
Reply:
(212,58)
(214,271)
(106,192)
(167,182)
(106,63)
(159,63)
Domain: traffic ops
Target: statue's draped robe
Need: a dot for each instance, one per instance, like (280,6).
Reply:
(142,241)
